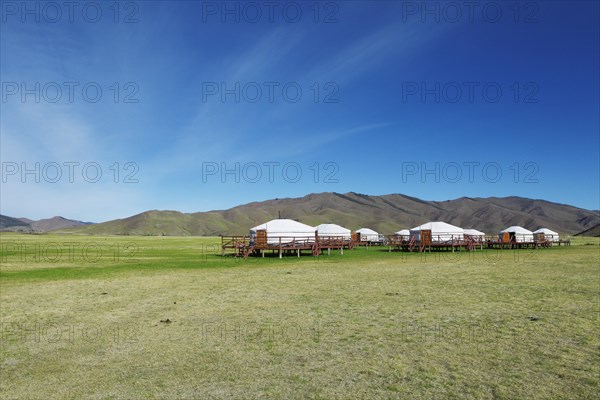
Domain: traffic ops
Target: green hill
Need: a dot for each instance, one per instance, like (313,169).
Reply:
(386,214)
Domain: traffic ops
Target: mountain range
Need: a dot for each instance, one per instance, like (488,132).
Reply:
(385,214)
(42,225)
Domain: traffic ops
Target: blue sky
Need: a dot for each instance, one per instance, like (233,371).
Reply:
(378,97)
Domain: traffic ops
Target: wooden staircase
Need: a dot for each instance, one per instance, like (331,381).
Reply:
(412,243)
(470,245)
(246,251)
(316,249)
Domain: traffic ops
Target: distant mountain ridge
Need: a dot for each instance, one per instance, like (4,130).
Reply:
(9,222)
(385,214)
(43,225)
(593,231)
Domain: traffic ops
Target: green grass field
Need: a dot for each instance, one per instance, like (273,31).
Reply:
(164,317)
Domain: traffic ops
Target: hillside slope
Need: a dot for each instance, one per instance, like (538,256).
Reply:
(10,223)
(593,231)
(42,225)
(386,214)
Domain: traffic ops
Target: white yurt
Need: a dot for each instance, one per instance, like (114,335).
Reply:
(474,234)
(368,235)
(333,230)
(548,234)
(517,234)
(440,232)
(286,229)
(404,234)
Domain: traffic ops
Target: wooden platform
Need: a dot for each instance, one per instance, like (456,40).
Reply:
(243,246)
(429,242)
(468,243)
(499,244)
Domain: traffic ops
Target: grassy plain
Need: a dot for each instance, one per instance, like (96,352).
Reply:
(167,317)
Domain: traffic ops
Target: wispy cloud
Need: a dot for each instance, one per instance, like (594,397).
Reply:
(356,58)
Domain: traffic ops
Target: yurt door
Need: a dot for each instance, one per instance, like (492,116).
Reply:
(261,239)
(505,237)
(426,237)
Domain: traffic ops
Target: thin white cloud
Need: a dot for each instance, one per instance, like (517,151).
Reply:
(357,57)
(217,130)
